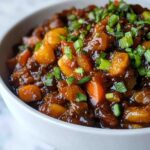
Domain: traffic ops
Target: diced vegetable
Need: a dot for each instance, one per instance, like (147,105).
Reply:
(29,93)
(113,97)
(142,97)
(119,64)
(54,110)
(104,64)
(68,52)
(113,20)
(70,92)
(131,17)
(95,89)
(53,36)
(57,73)
(137,114)
(126,41)
(116,110)
(146,15)
(120,87)
(49,80)
(147,55)
(45,54)
(78,45)
(70,80)
(81,97)
(84,62)
(37,46)
(79,71)
(67,66)
(23,57)
(84,80)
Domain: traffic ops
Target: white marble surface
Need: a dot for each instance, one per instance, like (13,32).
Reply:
(11,135)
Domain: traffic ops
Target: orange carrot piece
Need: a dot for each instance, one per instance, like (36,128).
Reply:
(23,57)
(95,89)
(119,64)
(29,93)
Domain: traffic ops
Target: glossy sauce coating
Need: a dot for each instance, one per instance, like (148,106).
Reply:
(88,66)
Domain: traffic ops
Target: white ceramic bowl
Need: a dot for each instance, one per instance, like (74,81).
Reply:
(62,135)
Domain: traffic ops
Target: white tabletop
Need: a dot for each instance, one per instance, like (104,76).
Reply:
(11,135)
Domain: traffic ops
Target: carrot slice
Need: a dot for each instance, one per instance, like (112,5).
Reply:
(23,57)
(119,64)
(29,93)
(95,89)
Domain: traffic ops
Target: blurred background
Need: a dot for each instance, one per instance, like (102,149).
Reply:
(13,136)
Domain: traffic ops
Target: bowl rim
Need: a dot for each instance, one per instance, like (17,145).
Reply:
(48,119)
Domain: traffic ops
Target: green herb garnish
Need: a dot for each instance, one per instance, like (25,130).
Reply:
(81,97)
(120,87)
(49,80)
(70,80)
(84,80)
(116,110)
(126,41)
(131,17)
(113,20)
(37,46)
(104,64)
(57,73)
(68,52)
(78,44)
(79,71)
(147,55)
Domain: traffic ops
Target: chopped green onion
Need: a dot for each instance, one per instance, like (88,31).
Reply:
(71,38)
(142,71)
(68,52)
(124,7)
(137,59)
(78,44)
(113,20)
(126,41)
(81,97)
(84,80)
(22,47)
(118,34)
(109,96)
(111,7)
(148,73)
(57,73)
(79,71)
(120,87)
(104,64)
(98,13)
(118,27)
(134,31)
(70,80)
(88,27)
(74,25)
(146,15)
(116,110)
(131,17)
(140,50)
(109,30)
(37,46)
(147,55)
(72,17)
(81,21)
(91,16)
(49,80)
(63,38)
